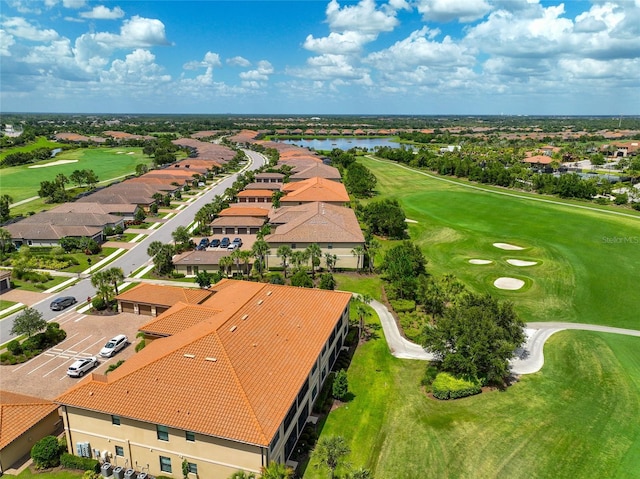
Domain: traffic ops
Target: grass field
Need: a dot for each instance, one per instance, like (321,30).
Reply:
(22,182)
(577,418)
(587,260)
(41,142)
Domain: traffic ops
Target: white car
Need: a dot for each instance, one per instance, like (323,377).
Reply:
(81,366)
(114,345)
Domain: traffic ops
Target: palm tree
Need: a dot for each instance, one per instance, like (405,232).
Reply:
(373,246)
(237,256)
(358,252)
(330,452)
(276,470)
(225,264)
(245,256)
(260,249)
(242,475)
(299,257)
(360,473)
(315,253)
(5,237)
(362,311)
(102,283)
(331,260)
(284,252)
(181,235)
(114,275)
(154,248)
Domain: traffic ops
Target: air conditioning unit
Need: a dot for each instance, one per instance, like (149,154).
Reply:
(118,473)
(106,470)
(130,474)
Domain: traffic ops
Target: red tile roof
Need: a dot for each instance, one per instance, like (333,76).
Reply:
(163,295)
(18,413)
(315,189)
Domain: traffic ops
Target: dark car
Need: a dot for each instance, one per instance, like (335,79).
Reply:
(204,242)
(225,242)
(59,304)
(237,241)
(214,243)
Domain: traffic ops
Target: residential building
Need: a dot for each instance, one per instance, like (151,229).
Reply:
(314,189)
(149,300)
(228,384)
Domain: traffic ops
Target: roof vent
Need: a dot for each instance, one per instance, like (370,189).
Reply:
(245,316)
(269,293)
(189,356)
(210,359)
(260,301)
(233,328)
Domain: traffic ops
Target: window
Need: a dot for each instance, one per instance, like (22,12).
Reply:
(315,368)
(193,467)
(314,393)
(165,464)
(274,441)
(329,246)
(115,420)
(293,246)
(163,433)
(290,416)
(120,451)
(190,436)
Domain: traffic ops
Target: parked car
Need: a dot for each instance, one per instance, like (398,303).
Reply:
(238,241)
(204,242)
(214,243)
(61,303)
(232,246)
(81,366)
(114,345)
(225,242)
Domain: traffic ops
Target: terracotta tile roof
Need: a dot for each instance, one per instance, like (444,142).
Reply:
(245,363)
(163,295)
(538,159)
(255,194)
(178,318)
(100,208)
(40,231)
(315,189)
(316,222)
(238,221)
(200,258)
(318,170)
(263,186)
(18,413)
(241,210)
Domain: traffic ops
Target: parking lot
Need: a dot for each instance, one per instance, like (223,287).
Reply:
(45,376)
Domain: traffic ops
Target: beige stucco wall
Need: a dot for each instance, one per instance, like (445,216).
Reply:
(215,457)
(346,259)
(22,445)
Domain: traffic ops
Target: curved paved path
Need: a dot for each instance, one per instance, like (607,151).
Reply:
(530,358)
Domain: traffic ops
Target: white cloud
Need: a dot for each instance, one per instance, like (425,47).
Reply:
(341,43)
(362,17)
(6,41)
(73,3)
(210,60)
(330,67)
(238,62)
(261,73)
(101,12)
(21,28)
(137,68)
(449,10)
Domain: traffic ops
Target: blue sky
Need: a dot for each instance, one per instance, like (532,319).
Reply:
(422,57)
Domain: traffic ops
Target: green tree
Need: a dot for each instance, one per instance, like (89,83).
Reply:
(5,239)
(359,180)
(340,386)
(301,278)
(402,265)
(242,475)
(476,337)
(162,255)
(284,252)
(114,275)
(299,258)
(203,278)
(359,253)
(181,236)
(276,470)
(385,218)
(29,321)
(330,261)
(360,473)
(275,198)
(225,264)
(260,250)
(372,246)
(104,286)
(315,254)
(5,202)
(331,452)
(140,215)
(141,169)
(327,281)
(46,452)
(362,311)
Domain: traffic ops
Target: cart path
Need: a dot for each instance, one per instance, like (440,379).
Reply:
(529,359)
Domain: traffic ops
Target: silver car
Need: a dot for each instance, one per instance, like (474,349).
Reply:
(114,345)
(81,366)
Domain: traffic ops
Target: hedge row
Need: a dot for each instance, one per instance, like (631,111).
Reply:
(446,386)
(82,463)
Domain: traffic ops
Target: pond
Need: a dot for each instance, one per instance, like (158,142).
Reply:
(344,143)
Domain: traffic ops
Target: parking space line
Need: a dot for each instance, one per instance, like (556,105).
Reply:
(80,318)
(46,353)
(90,346)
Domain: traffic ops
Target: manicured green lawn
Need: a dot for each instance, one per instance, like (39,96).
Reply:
(6,304)
(577,418)
(360,283)
(587,260)
(62,474)
(41,142)
(21,182)
(38,287)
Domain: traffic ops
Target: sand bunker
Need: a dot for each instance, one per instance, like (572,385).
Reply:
(519,262)
(480,261)
(407,220)
(508,283)
(507,246)
(131,153)
(54,163)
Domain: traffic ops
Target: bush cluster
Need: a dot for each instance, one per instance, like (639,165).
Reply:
(446,386)
(20,352)
(46,453)
(82,463)
(402,305)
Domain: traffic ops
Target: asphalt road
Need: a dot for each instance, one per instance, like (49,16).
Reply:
(137,256)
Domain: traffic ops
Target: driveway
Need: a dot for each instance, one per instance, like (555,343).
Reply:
(45,375)
(529,359)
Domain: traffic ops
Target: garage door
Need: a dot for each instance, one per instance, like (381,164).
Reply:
(127,307)
(160,310)
(145,309)
(242,231)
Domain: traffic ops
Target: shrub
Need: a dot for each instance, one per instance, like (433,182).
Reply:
(99,304)
(140,346)
(340,387)
(14,347)
(276,278)
(177,275)
(114,366)
(6,357)
(45,452)
(636,206)
(446,386)
(413,324)
(403,305)
(429,376)
(76,462)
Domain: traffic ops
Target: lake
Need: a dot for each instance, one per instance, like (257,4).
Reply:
(344,143)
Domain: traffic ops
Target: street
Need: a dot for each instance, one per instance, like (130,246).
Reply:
(137,256)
